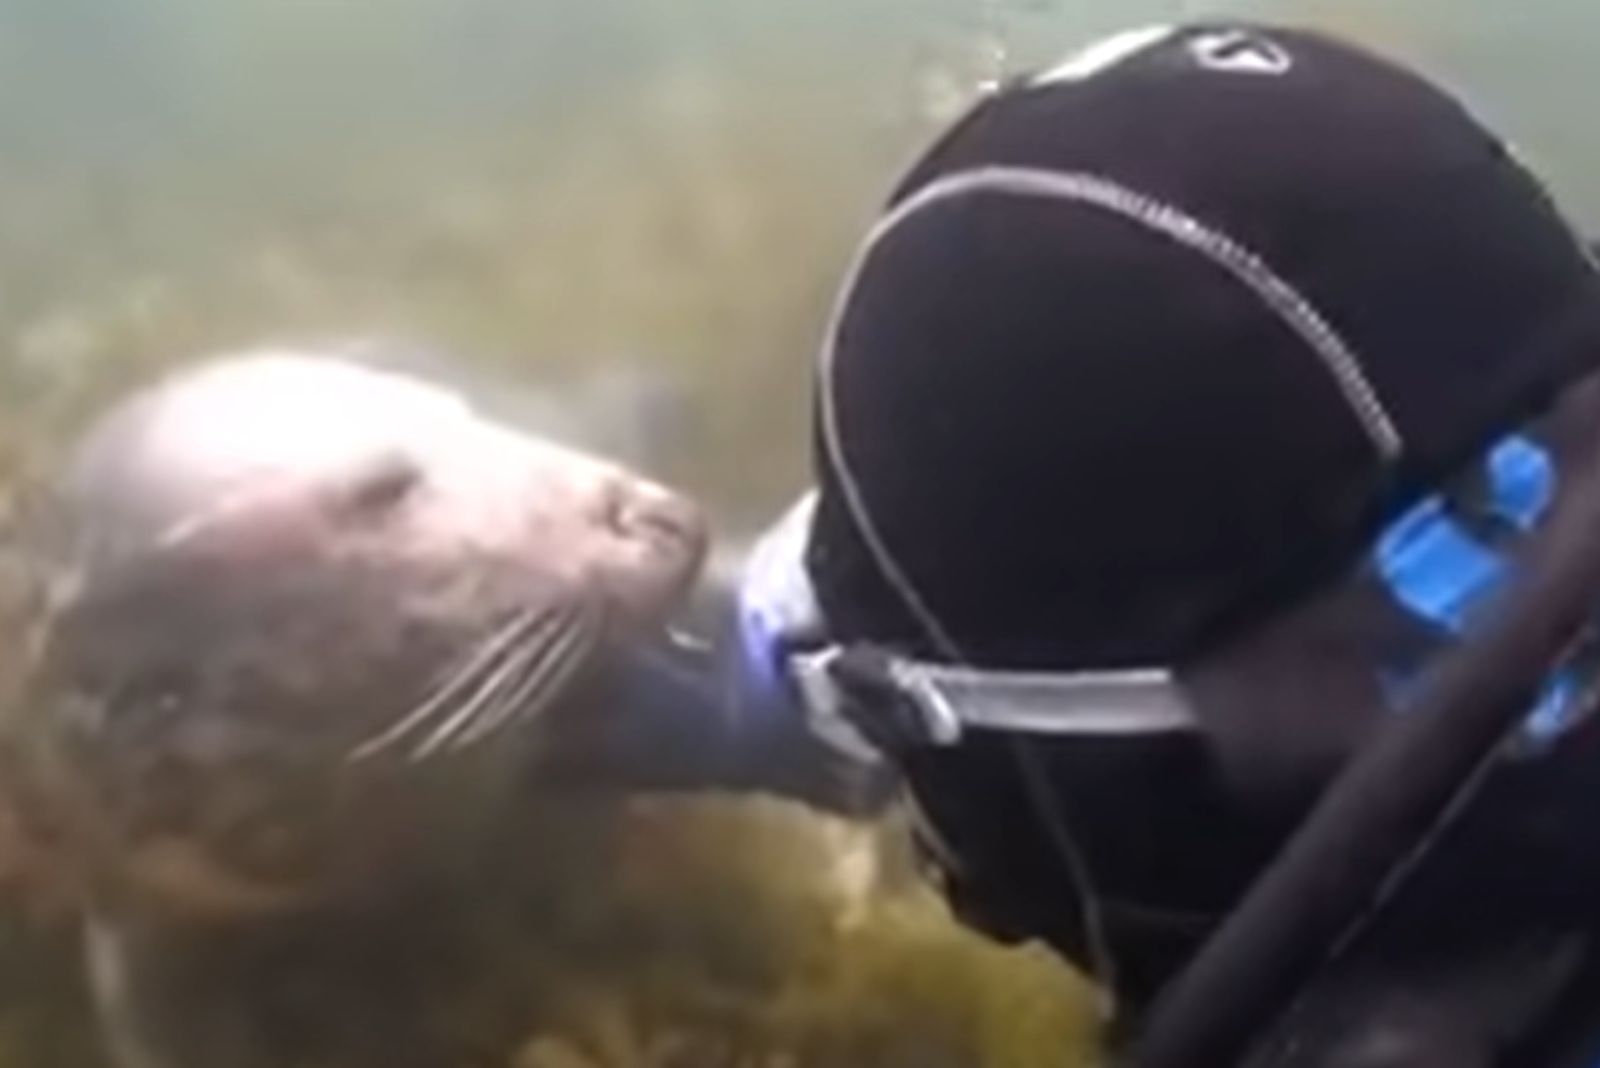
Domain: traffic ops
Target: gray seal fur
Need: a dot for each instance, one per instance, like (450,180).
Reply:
(309,622)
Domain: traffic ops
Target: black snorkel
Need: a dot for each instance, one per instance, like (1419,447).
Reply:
(1371,827)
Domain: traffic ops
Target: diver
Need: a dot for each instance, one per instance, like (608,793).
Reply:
(1200,437)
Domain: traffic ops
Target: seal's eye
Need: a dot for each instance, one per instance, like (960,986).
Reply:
(381,488)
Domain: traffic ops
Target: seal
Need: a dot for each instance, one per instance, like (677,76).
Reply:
(302,612)
(309,624)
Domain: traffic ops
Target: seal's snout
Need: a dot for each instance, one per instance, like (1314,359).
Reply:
(652,513)
(655,541)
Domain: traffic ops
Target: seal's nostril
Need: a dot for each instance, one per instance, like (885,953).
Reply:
(612,510)
(678,519)
(653,514)
(658,522)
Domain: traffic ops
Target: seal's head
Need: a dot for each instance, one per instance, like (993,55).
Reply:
(309,618)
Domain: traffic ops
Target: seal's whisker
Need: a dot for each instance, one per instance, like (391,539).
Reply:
(545,677)
(508,668)
(469,711)
(471,660)
(474,662)
(535,693)
(539,694)
(535,644)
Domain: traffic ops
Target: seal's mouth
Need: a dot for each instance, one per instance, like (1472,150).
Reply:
(657,715)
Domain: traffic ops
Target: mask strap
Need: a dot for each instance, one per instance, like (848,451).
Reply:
(919,703)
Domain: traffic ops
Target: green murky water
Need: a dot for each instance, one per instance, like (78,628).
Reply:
(666,188)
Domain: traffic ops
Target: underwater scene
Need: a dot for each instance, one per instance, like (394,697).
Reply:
(619,223)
